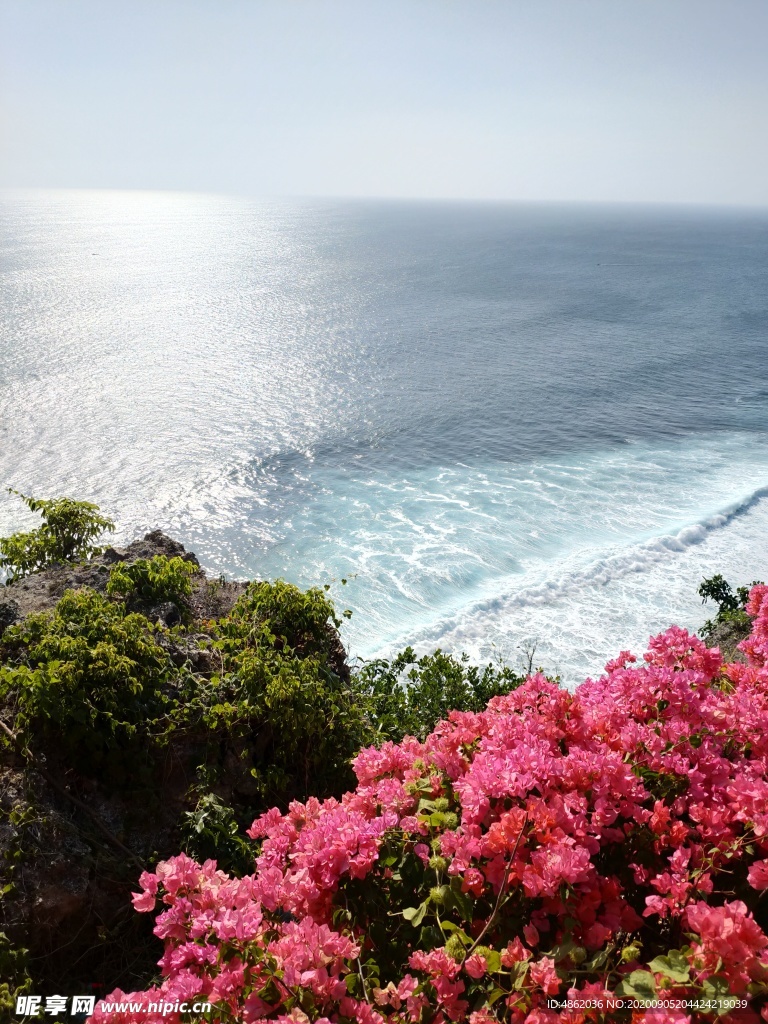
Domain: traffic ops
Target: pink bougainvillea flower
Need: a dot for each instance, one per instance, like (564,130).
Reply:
(530,832)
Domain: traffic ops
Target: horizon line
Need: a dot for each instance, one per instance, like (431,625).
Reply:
(378,198)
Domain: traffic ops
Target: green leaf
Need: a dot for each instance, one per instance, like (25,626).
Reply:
(415,914)
(564,949)
(493,959)
(639,985)
(715,987)
(449,926)
(674,966)
(494,996)
(519,973)
(352,981)
(460,901)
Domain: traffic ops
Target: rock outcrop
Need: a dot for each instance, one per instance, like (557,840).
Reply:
(72,847)
(40,592)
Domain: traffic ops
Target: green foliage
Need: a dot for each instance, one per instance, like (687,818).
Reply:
(211,831)
(86,677)
(674,966)
(717,589)
(730,606)
(97,684)
(279,615)
(640,985)
(18,825)
(284,683)
(14,979)
(152,580)
(409,696)
(67,534)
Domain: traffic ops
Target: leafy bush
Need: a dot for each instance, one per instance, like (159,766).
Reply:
(409,696)
(211,831)
(610,843)
(279,615)
(152,580)
(95,683)
(86,677)
(717,589)
(284,684)
(67,534)
(731,607)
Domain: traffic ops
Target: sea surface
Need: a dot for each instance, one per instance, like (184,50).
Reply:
(507,427)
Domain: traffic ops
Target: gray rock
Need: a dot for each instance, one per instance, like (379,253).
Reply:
(40,591)
(167,614)
(158,543)
(9,613)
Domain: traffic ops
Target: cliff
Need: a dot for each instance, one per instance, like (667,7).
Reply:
(182,756)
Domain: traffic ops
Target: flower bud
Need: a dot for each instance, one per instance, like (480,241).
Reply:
(438,893)
(454,948)
(630,953)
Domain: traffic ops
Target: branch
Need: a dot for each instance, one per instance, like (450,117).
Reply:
(492,919)
(362,979)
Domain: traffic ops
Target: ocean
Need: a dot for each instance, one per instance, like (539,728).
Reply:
(507,427)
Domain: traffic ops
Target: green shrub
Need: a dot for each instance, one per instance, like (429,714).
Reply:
(95,684)
(278,615)
(152,580)
(211,831)
(67,534)
(408,696)
(730,606)
(86,677)
(283,687)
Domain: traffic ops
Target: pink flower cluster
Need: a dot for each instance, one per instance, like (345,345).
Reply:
(610,843)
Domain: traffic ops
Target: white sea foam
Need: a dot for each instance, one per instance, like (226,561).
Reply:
(583,614)
(617,556)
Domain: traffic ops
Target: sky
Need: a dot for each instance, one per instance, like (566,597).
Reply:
(566,100)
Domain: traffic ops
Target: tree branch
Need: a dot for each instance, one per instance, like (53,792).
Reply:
(492,919)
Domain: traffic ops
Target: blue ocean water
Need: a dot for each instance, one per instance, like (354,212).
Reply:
(504,425)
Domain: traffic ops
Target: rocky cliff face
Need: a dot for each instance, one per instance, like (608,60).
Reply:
(68,900)
(727,636)
(71,847)
(40,592)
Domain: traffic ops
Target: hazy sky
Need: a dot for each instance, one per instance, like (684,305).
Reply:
(521,99)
